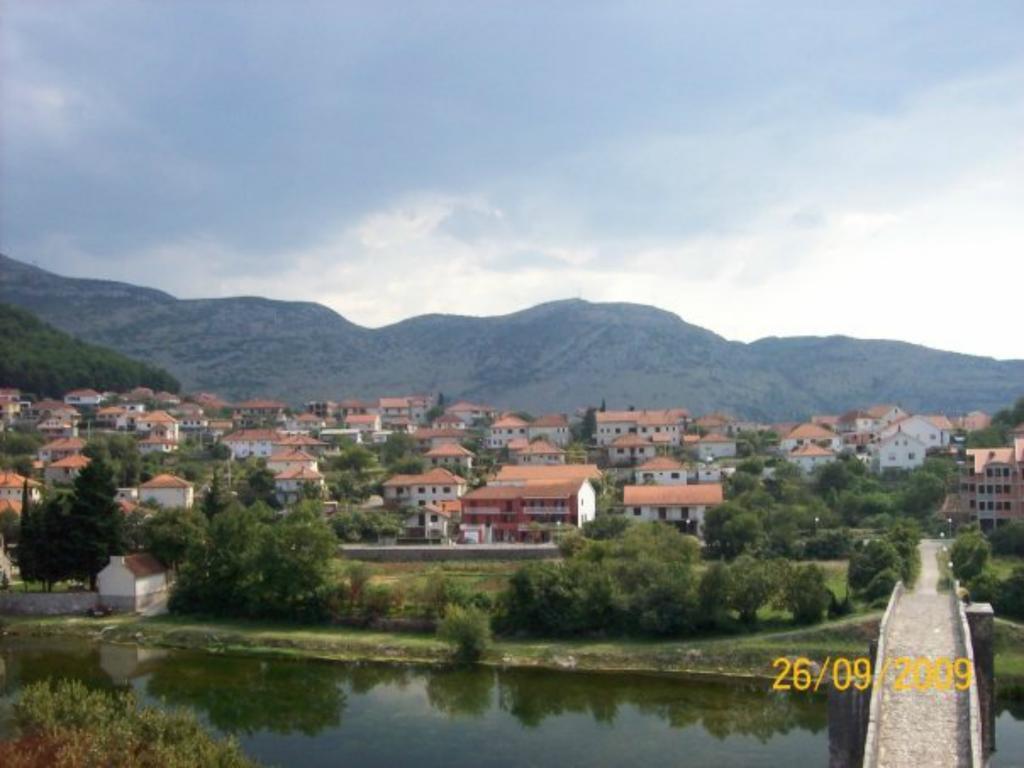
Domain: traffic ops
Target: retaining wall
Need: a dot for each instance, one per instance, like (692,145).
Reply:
(46,603)
(405,554)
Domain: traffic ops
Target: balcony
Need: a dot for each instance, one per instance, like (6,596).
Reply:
(468,510)
(546,510)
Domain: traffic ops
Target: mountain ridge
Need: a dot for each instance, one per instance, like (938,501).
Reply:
(557,355)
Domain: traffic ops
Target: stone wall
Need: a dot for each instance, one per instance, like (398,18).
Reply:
(16,603)
(435,553)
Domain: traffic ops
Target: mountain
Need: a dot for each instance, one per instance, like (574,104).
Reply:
(37,358)
(554,356)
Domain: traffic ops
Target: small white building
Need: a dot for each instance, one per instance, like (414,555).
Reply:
(132,582)
(431,487)
(169,491)
(552,428)
(715,446)
(65,471)
(900,450)
(933,432)
(537,452)
(251,442)
(811,434)
(661,471)
(88,398)
(505,430)
(682,505)
(291,484)
(627,450)
(450,455)
(810,456)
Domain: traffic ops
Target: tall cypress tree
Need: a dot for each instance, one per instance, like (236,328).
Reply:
(217,498)
(96,524)
(28,538)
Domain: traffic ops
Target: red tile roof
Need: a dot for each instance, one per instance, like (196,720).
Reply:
(436,476)
(672,495)
(166,481)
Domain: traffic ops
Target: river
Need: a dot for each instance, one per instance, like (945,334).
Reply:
(307,713)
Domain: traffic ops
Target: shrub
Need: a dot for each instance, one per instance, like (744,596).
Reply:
(713,593)
(1008,539)
(828,545)
(65,725)
(869,560)
(1010,596)
(379,601)
(467,630)
(881,584)
(752,587)
(837,607)
(984,587)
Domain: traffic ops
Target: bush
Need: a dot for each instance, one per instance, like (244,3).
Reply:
(380,601)
(1008,539)
(1010,596)
(713,593)
(65,725)
(837,607)
(869,560)
(881,584)
(984,587)
(753,587)
(467,630)
(828,545)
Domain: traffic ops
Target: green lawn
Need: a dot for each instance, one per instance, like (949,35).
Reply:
(1004,565)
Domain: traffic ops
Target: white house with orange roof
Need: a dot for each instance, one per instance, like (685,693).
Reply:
(472,413)
(290,458)
(934,432)
(433,486)
(974,421)
(898,450)
(629,450)
(12,487)
(537,452)
(552,428)
(810,434)
(715,446)
(158,424)
(661,426)
(661,470)
(292,484)
(65,471)
(515,474)
(506,429)
(61,448)
(448,421)
(885,414)
(366,423)
(683,506)
(254,412)
(168,491)
(304,423)
(450,455)
(251,442)
(810,456)
(152,444)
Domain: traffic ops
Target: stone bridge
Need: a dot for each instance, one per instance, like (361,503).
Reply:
(925,727)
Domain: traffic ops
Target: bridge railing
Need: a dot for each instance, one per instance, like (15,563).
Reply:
(875,711)
(966,650)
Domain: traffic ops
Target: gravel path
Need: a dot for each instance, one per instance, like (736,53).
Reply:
(929,728)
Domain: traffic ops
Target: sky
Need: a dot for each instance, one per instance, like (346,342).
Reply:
(760,169)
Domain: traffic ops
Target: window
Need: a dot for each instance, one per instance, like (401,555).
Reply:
(675,475)
(447,489)
(433,518)
(636,511)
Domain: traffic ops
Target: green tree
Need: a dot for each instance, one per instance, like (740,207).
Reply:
(804,593)
(868,560)
(217,498)
(714,593)
(969,554)
(169,534)
(96,524)
(730,530)
(467,630)
(752,587)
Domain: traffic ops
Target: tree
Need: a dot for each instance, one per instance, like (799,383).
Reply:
(752,587)
(259,487)
(96,526)
(10,527)
(29,537)
(868,560)
(217,498)
(588,427)
(606,526)
(1008,539)
(804,593)
(1010,595)
(714,593)
(730,530)
(169,534)
(969,554)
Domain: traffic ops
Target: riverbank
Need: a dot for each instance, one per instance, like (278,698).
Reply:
(743,656)
(747,656)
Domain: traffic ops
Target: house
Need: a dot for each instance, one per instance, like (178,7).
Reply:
(715,446)
(827,420)
(684,506)
(153,444)
(65,471)
(412,408)
(352,406)
(12,486)
(255,412)
(450,455)
(158,424)
(431,438)
(54,428)
(251,442)
(934,432)
(472,413)
(168,491)
(537,452)
(992,484)
(87,398)
(448,421)
(304,423)
(669,424)
(805,434)
(974,421)
(627,450)
(61,448)
(304,443)
(660,471)
(167,399)
(553,428)
(526,512)
(209,402)
(886,414)
(364,422)
(191,418)
(810,456)
(504,430)
(325,409)
(433,486)
(139,394)
(857,422)
(292,484)
(132,582)
(51,409)
(10,410)
(898,450)
(432,521)
(517,475)
(285,459)
(115,417)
